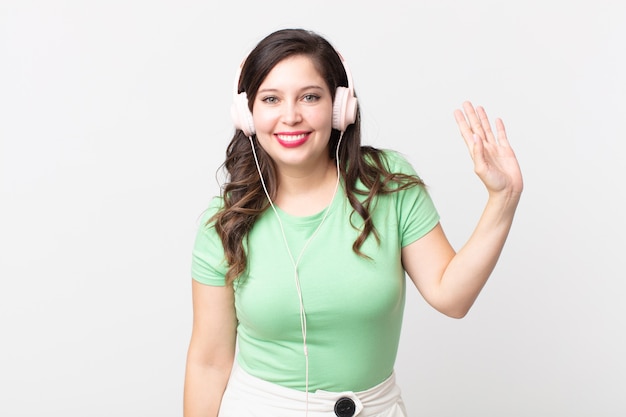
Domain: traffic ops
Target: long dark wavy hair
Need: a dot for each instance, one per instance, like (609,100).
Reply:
(243,195)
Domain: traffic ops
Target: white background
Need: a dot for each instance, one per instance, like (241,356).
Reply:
(114,117)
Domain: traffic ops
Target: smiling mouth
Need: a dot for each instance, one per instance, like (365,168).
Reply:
(290,137)
(292,140)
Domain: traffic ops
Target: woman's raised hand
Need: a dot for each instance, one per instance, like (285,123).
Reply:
(494,160)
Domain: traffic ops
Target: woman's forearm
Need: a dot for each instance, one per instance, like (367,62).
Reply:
(204,387)
(469,269)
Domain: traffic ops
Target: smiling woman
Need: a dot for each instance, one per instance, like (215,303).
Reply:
(301,261)
(292,114)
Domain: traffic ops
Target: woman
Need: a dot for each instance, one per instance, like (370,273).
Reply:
(300,264)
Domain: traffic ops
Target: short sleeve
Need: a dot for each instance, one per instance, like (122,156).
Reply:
(416,211)
(208,263)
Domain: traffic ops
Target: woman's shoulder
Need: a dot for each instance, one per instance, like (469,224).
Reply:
(397,163)
(215,205)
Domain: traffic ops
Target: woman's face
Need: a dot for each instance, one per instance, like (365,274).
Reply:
(292,114)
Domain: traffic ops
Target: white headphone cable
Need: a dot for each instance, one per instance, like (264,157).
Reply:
(296,263)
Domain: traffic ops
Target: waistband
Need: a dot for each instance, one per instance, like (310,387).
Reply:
(266,398)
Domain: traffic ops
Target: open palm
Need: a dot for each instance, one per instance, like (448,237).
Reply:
(495,162)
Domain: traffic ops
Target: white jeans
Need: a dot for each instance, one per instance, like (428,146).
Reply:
(248,396)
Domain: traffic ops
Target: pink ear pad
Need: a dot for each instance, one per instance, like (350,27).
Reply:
(344,109)
(240,113)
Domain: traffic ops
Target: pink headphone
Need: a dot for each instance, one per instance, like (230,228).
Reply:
(344,106)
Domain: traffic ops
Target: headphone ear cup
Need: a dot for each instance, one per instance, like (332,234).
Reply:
(344,109)
(241,115)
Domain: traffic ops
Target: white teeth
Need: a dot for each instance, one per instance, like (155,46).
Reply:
(291,137)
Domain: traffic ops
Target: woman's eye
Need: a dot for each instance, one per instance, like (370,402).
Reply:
(309,98)
(270,100)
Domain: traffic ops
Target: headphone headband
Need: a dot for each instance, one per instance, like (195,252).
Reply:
(344,105)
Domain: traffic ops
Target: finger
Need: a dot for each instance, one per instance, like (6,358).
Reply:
(484,121)
(502,138)
(478,155)
(464,128)
(474,120)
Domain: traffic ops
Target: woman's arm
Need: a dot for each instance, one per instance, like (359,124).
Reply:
(211,350)
(451,281)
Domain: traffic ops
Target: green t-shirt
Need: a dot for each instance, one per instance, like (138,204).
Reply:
(353,305)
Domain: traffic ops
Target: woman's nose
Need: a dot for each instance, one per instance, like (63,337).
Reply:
(291,114)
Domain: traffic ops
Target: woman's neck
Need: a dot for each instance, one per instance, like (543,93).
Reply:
(306,193)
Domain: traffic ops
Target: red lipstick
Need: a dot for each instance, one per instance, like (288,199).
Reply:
(292,139)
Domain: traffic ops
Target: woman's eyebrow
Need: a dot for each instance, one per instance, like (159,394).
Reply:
(273,90)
